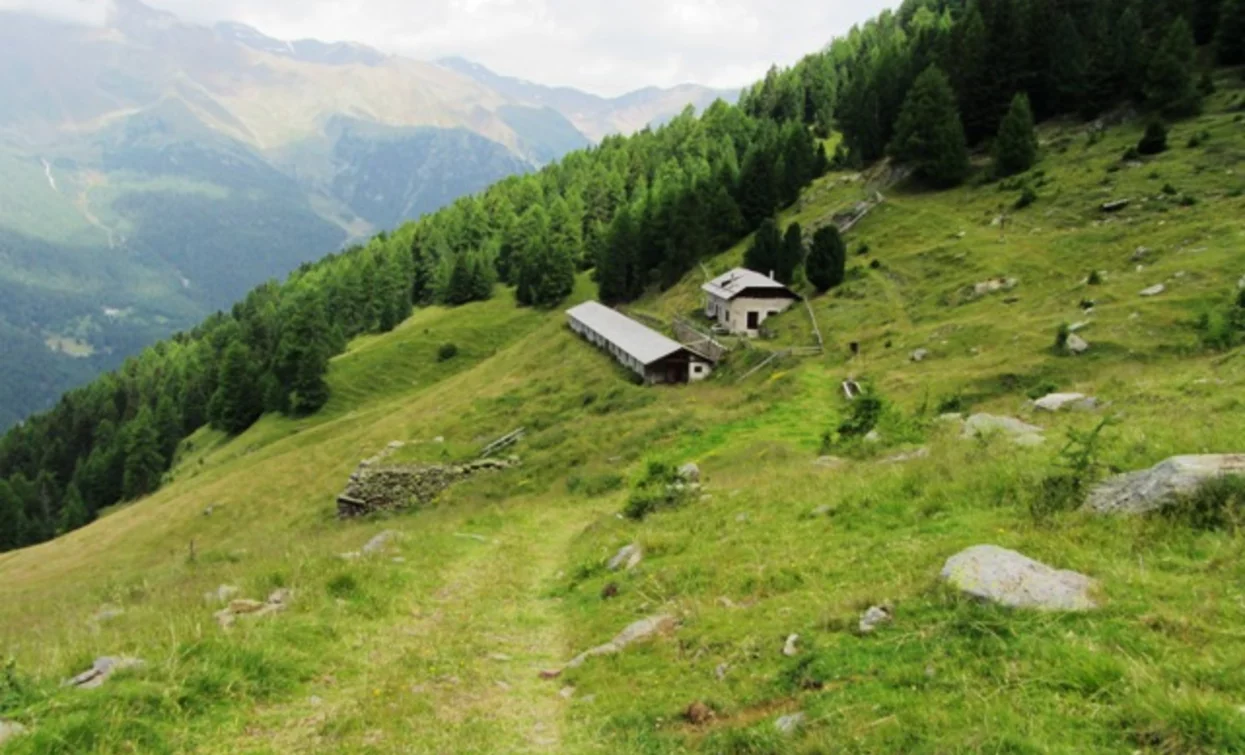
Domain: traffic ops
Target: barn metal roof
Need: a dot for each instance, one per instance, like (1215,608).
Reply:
(640,342)
(729,285)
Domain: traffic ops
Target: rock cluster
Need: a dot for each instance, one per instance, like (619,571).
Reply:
(277,602)
(1150,489)
(994,285)
(374,488)
(875,617)
(101,670)
(1008,578)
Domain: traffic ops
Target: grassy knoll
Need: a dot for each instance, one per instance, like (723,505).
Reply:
(436,645)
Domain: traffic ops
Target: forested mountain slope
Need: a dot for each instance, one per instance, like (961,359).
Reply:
(959,299)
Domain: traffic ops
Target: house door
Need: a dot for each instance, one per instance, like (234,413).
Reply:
(754,320)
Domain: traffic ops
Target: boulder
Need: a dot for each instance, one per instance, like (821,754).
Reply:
(628,557)
(1008,578)
(1021,433)
(689,472)
(1150,489)
(10,730)
(920,355)
(1076,345)
(875,617)
(101,670)
(791,647)
(635,632)
(1154,290)
(789,724)
(380,542)
(1055,402)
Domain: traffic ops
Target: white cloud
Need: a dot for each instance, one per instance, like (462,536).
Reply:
(603,46)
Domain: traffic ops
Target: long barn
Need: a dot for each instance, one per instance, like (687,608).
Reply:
(644,351)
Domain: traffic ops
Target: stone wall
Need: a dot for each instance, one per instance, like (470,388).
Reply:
(378,487)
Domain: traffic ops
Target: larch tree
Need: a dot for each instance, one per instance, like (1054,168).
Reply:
(1016,147)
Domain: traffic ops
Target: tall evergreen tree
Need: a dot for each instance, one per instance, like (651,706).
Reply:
(12,518)
(1230,38)
(792,255)
(302,358)
(74,513)
(827,259)
(144,464)
(929,134)
(616,269)
(764,254)
(1015,148)
(1171,81)
(238,400)
(1070,69)
(458,290)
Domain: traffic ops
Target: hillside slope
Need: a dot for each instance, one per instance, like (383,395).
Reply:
(436,644)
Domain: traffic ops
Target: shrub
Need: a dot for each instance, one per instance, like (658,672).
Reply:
(1154,141)
(863,416)
(1027,197)
(659,489)
(1188,200)
(1095,278)
(447,352)
(1170,190)
(863,249)
(1218,504)
(953,403)
(1131,154)
(1080,466)
(1062,334)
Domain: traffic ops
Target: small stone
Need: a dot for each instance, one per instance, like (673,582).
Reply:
(920,355)
(351,556)
(1140,253)
(1021,433)
(1076,345)
(566,693)
(1055,402)
(789,724)
(791,647)
(628,557)
(1008,578)
(101,669)
(875,617)
(689,472)
(10,730)
(1154,290)
(698,714)
(380,542)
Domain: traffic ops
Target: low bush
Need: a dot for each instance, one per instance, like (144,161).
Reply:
(659,489)
(1217,505)
(447,352)
(1079,466)
(1027,197)
(1154,141)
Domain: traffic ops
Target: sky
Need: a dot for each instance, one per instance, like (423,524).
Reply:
(602,46)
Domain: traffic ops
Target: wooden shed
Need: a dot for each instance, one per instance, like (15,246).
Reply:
(644,351)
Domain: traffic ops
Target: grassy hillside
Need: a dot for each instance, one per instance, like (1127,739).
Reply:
(437,644)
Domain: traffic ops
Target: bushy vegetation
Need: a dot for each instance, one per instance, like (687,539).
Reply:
(661,488)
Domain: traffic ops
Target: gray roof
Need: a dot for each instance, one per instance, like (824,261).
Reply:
(729,285)
(640,342)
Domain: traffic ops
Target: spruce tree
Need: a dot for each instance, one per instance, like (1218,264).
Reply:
(238,400)
(1230,38)
(1070,69)
(74,514)
(615,273)
(144,464)
(827,259)
(1171,82)
(12,518)
(302,358)
(929,134)
(792,255)
(763,256)
(458,289)
(1015,148)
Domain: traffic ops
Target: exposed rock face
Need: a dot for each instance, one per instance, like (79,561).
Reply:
(101,669)
(373,488)
(640,630)
(1021,433)
(1150,489)
(1056,402)
(628,557)
(1008,578)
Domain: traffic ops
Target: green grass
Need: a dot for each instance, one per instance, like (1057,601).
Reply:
(505,577)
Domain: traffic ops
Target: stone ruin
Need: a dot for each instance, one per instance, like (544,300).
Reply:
(376,487)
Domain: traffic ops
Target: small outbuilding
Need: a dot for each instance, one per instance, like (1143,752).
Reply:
(741,300)
(644,351)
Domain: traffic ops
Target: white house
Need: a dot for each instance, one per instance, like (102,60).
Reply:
(644,351)
(743,299)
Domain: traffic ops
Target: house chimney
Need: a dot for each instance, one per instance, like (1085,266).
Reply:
(771,275)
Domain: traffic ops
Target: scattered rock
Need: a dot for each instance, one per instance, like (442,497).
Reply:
(789,724)
(997,575)
(829,462)
(1140,253)
(1076,345)
(1021,433)
(994,285)
(900,458)
(10,730)
(875,617)
(1056,402)
(791,647)
(920,355)
(374,487)
(698,714)
(380,542)
(394,445)
(101,670)
(635,632)
(277,601)
(689,472)
(1150,489)
(628,557)
(221,594)
(1154,290)
(1116,205)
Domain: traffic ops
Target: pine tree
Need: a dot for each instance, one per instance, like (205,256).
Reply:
(758,185)
(1230,38)
(458,290)
(1171,84)
(74,514)
(1070,68)
(929,134)
(764,254)
(12,518)
(302,358)
(546,272)
(238,400)
(144,464)
(827,259)
(615,273)
(792,255)
(1015,148)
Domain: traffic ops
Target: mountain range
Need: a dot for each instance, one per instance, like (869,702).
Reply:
(155,170)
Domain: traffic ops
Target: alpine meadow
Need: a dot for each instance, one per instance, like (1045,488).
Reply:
(977,486)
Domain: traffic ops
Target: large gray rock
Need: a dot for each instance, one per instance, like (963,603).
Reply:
(628,557)
(1055,402)
(101,670)
(1154,290)
(10,730)
(635,632)
(1076,344)
(1150,489)
(1020,433)
(1008,578)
